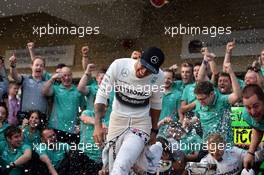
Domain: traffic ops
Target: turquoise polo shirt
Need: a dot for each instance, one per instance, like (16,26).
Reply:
(211,116)
(65,108)
(262,70)
(170,106)
(251,121)
(90,97)
(55,155)
(87,144)
(2,131)
(31,139)
(7,156)
(178,85)
(188,94)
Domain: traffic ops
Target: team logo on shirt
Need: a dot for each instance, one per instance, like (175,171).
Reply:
(154,60)
(124,72)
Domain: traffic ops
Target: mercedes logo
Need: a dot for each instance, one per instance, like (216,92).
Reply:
(154,60)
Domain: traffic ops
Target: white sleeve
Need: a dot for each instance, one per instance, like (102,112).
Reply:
(107,84)
(156,97)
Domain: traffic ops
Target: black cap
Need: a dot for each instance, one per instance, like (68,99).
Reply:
(152,58)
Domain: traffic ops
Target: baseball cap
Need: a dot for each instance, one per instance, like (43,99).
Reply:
(152,58)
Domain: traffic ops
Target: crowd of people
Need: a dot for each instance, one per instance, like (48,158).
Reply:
(132,118)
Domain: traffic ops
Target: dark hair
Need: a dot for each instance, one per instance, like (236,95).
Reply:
(224,74)
(204,87)
(41,118)
(60,65)
(165,144)
(12,130)
(3,104)
(185,64)
(44,129)
(253,89)
(197,64)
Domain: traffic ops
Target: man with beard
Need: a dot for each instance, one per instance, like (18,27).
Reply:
(136,108)
(211,105)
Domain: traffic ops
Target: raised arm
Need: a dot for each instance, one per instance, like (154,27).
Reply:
(30,47)
(85,59)
(13,70)
(229,47)
(82,86)
(47,87)
(236,94)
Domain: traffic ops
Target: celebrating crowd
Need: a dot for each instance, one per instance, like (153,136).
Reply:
(132,118)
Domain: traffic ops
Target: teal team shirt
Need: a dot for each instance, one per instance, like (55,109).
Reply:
(192,142)
(55,155)
(211,116)
(87,144)
(65,108)
(2,131)
(7,156)
(90,97)
(188,94)
(251,121)
(31,139)
(170,106)
(178,85)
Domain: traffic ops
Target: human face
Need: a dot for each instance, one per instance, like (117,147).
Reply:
(2,114)
(49,136)
(168,76)
(16,140)
(204,99)
(186,74)
(34,120)
(140,70)
(37,68)
(13,90)
(224,85)
(99,78)
(195,72)
(215,151)
(251,78)
(66,78)
(254,107)
(136,55)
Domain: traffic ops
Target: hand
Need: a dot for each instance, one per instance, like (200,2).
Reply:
(85,50)
(56,76)
(98,135)
(174,67)
(13,59)
(227,68)
(248,161)
(230,46)
(167,120)
(153,138)
(30,45)
(24,123)
(90,68)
